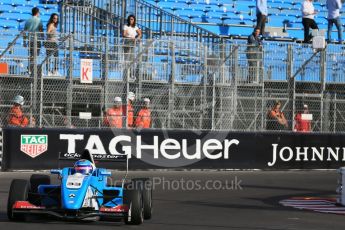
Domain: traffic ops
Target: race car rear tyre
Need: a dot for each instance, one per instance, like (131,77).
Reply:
(145,185)
(18,192)
(38,179)
(133,198)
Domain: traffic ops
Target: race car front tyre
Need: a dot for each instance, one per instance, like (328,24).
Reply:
(18,192)
(38,179)
(133,198)
(35,181)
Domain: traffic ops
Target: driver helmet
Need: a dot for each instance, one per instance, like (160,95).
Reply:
(84,167)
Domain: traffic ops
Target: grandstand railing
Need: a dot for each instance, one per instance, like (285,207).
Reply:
(191,85)
(169,24)
(93,21)
(154,21)
(89,20)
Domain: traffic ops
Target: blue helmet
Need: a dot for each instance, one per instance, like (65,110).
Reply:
(84,167)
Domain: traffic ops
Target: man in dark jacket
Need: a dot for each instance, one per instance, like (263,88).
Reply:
(254,55)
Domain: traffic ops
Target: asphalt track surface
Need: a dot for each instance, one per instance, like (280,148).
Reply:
(188,200)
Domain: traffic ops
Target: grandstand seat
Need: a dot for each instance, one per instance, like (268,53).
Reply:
(193,78)
(6,8)
(241,12)
(9,26)
(190,14)
(47,1)
(115,75)
(89,55)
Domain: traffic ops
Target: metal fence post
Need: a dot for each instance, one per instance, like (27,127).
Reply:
(324,104)
(135,8)
(140,70)
(172,27)
(105,76)
(41,97)
(129,71)
(233,86)
(106,59)
(70,77)
(172,84)
(223,57)
(204,90)
(334,112)
(325,118)
(291,82)
(31,99)
(34,65)
(124,8)
(149,21)
(213,100)
(261,81)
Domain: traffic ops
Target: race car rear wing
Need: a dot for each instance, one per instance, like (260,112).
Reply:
(91,157)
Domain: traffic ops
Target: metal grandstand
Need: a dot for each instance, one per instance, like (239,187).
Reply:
(195,79)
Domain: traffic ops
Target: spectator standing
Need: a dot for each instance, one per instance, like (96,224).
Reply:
(33,25)
(302,125)
(16,116)
(334,7)
(308,13)
(52,45)
(131,34)
(276,119)
(261,15)
(68,123)
(144,116)
(254,54)
(113,116)
(129,109)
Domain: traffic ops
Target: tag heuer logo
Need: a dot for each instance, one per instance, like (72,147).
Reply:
(33,145)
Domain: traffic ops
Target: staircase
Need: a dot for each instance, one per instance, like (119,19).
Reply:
(105,17)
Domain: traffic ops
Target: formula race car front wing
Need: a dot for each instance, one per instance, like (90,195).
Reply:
(26,207)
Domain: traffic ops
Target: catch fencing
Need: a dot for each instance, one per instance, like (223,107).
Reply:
(191,85)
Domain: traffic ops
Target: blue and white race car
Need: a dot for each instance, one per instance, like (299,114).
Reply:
(83,194)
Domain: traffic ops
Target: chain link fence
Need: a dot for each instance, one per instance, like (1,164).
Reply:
(227,86)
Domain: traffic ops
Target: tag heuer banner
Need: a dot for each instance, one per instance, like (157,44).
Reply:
(31,148)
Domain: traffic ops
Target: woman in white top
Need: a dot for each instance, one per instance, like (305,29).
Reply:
(51,44)
(131,33)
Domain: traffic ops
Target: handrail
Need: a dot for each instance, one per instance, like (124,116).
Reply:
(113,16)
(177,17)
(12,43)
(138,56)
(305,63)
(57,48)
(100,19)
(120,10)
